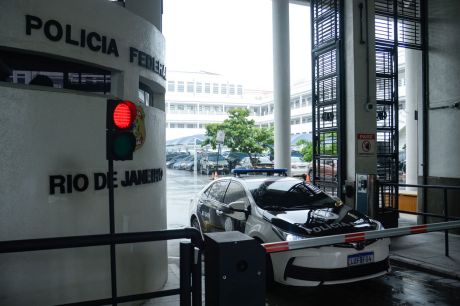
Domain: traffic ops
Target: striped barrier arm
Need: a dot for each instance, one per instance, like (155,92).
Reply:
(274,247)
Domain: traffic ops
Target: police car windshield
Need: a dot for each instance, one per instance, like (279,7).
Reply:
(288,194)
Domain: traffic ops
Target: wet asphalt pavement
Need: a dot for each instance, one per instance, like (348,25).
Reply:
(400,287)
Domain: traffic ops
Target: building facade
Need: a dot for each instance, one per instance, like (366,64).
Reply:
(195,99)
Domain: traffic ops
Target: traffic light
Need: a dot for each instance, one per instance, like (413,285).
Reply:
(120,139)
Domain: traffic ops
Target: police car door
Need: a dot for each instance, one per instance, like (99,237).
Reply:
(214,202)
(234,220)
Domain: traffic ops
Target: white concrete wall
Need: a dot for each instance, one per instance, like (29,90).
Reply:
(46,131)
(444,69)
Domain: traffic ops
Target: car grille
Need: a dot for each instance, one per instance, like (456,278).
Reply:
(323,275)
(356,245)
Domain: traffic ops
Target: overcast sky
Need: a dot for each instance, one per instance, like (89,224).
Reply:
(233,38)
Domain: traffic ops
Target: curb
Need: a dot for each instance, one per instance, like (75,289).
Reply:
(423,267)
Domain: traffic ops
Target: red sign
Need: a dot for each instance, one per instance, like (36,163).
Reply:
(365,144)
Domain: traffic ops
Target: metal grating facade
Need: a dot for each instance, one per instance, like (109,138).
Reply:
(327,94)
(398,23)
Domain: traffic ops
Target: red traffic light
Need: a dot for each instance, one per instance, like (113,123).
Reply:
(124,114)
(120,139)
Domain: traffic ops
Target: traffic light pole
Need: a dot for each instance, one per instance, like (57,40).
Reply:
(113,262)
(120,145)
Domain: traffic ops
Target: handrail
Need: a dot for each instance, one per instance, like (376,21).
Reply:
(421,186)
(424,212)
(186,288)
(98,240)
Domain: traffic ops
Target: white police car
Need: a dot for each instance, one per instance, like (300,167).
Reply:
(279,208)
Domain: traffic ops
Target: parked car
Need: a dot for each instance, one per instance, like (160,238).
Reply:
(275,208)
(234,159)
(171,155)
(180,164)
(299,167)
(326,170)
(172,161)
(190,165)
(212,162)
(260,162)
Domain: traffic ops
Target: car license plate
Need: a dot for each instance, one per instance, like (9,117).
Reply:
(360,259)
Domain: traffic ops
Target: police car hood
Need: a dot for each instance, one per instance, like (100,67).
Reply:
(320,221)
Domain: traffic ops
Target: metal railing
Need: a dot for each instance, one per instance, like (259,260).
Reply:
(445,216)
(190,260)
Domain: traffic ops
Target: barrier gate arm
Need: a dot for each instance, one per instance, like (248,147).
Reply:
(274,247)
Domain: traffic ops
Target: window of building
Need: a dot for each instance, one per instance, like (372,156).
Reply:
(180,107)
(180,125)
(20,78)
(215,88)
(23,68)
(231,89)
(180,86)
(171,86)
(190,108)
(145,94)
(199,87)
(265,110)
(207,88)
(223,89)
(190,87)
(304,101)
(172,125)
(191,125)
(239,90)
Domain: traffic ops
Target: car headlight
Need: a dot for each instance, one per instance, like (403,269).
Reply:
(285,235)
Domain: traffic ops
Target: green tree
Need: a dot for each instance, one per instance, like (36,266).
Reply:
(306,149)
(241,133)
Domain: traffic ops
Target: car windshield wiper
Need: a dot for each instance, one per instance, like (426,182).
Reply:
(316,205)
(275,207)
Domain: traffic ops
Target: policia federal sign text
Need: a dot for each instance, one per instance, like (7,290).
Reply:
(55,31)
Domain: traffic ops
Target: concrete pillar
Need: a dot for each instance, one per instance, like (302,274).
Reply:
(124,87)
(413,80)
(281,84)
(359,78)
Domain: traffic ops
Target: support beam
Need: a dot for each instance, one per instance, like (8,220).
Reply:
(360,89)
(281,84)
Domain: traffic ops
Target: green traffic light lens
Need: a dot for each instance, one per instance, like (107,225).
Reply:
(123,145)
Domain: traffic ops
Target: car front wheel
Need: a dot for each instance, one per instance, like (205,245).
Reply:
(195,224)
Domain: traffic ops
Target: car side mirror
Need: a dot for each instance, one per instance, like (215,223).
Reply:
(239,206)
